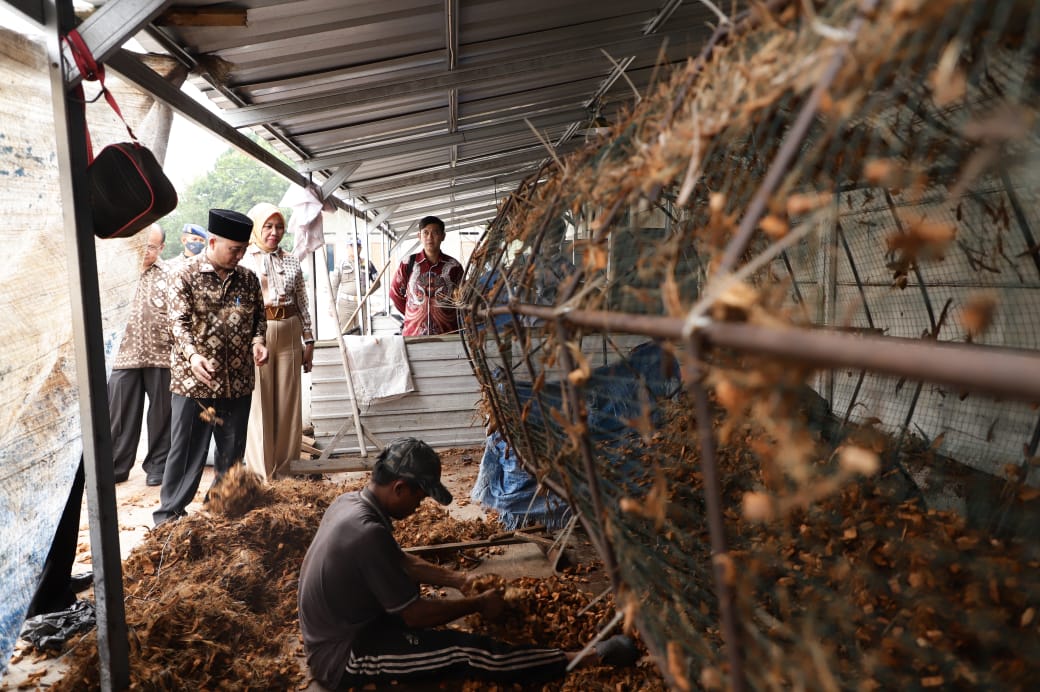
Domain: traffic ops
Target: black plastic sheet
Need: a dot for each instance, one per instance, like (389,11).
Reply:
(52,630)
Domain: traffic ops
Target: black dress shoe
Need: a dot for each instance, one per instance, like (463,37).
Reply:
(153,479)
(81,582)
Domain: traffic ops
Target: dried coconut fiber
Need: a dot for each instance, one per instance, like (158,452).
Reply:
(238,492)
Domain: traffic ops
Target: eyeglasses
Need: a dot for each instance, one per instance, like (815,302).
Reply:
(153,248)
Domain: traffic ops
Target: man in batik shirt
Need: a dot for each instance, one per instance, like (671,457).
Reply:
(219,326)
(142,367)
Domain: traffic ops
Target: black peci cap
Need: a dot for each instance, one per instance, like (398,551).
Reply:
(229,224)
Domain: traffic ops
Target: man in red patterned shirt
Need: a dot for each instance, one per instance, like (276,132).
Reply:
(423,289)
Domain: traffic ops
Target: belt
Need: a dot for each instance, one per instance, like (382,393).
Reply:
(280,312)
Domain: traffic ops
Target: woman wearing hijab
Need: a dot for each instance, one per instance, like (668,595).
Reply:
(275,417)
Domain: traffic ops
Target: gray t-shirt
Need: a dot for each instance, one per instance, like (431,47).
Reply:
(353,573)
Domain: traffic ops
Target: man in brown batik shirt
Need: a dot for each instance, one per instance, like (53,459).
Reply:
(219,326)
(142,367)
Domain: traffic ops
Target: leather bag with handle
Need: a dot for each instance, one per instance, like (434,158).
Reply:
(128,189)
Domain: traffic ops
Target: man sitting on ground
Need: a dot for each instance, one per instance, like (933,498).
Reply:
(363,617)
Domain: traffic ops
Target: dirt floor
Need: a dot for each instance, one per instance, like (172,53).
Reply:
(526,561)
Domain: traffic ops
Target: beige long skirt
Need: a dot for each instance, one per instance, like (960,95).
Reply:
(276,414)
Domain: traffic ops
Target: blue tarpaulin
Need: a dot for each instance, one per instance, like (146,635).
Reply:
(615,394)
(502,485)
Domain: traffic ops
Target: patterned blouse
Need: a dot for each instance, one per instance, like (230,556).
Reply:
(286,287)
(218,319)
(147,340)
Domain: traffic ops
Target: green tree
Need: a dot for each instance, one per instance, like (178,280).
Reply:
(236,182)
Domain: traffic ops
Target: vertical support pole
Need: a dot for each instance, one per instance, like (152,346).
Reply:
(866,311)
(314,290)
(829,293)
(358,268)
(69,130)
(716,526)
(362,447)
(1020,217)
(576,405)
(925,298)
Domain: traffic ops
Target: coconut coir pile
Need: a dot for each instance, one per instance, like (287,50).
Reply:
(211,598)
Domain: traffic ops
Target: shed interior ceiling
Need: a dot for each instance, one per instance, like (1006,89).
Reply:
(427,107)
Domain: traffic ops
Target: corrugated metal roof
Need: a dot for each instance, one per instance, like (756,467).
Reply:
(428,103)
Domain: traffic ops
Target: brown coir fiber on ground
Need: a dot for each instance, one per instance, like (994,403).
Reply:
(211,599)
(240,491)
(561,611)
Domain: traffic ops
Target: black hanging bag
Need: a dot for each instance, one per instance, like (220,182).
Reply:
(128,189)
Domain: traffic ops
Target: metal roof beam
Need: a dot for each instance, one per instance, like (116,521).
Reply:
(129,66)
(599,32)
(303,22)
(443,210)
(33,9)
(416,144)
(487,197)
(451,32)
(499,187)
(450,224)
(337,178)
(109,27)
(383,215)
(485,168)
(370,129)
(273,112)
(504,185)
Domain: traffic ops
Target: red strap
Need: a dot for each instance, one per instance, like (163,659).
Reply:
(92,71)
(88,67)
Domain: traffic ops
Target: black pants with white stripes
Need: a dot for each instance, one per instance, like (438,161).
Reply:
(386,651)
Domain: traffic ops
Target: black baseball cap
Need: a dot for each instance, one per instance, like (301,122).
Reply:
(412,459)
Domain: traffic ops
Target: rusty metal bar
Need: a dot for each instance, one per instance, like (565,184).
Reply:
(577,409)
(716,523)
(997,372)
(790,148)
(1006,373)
(514,394)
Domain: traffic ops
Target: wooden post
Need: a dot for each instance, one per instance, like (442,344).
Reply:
(362,446)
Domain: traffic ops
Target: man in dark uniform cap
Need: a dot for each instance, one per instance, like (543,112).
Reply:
(219,326)
(193,238)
